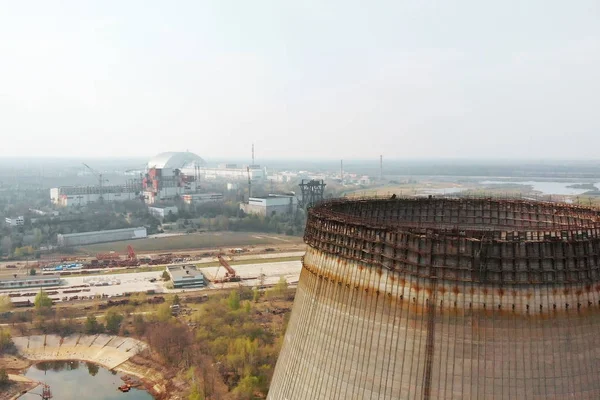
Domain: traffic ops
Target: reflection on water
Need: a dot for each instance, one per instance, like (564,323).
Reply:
(80,380)
(561,188)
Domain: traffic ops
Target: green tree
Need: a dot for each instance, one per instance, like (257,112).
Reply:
(32,272)
(165,276)
(233,301)
(5,340)
(113,321)
(5,303)
(3,377)
(163,312)
(139,325)
(92,326)
(176,300)
(255,295)
(42,301)
(196,393)
(246,388)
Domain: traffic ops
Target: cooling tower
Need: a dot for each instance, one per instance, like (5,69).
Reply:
(445,299)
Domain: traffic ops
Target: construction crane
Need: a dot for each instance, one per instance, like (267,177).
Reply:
(98,176)
(231,275)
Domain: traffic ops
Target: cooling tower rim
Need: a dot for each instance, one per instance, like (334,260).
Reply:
(328,211)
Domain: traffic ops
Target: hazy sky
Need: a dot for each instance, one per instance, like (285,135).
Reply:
(313,79)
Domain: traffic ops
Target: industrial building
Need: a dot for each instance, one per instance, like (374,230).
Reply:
(185,276)
(445,299)
(17,221)
(232,172)
(273,204)
(27,281)
(171,175)
(70,196)
(80,239)
(199,198)
(162,212)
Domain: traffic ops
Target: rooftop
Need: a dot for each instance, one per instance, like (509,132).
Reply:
(68,235)
(184,271)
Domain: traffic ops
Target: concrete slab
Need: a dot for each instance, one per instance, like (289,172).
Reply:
(102,340)
(36,342)
(86,340)
(116,342)
(21,343)
(53,341)
(132,346)
(70,340)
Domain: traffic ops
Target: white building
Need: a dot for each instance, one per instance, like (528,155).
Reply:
(162,212)
(233,174)
(198,198)
(18,221)
(69,196)
(273,204)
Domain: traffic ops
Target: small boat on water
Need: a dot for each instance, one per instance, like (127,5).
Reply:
(125,388)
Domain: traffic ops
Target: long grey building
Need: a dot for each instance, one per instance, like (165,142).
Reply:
(27,281)
(114,235)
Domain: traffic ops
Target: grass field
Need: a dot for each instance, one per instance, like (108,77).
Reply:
(196,241)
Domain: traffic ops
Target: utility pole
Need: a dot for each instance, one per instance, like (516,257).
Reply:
(253,155)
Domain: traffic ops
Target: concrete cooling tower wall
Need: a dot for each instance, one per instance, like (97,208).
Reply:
(445,299)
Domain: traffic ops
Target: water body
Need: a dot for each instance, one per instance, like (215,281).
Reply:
(560,188)
(75,380)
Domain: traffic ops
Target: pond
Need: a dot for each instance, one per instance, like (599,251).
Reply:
(80,380)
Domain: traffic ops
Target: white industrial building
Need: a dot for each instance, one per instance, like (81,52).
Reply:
(273,204)
(232,172)
(18,221)
(198,198)
(70,196)
(171,175)
(162,212)
(84,238)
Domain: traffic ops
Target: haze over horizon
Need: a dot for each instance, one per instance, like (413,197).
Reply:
(314,80)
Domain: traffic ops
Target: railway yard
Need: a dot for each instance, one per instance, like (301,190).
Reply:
(89,280)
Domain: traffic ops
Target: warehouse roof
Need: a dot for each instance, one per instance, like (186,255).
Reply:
(173,159)
(184,271)
(69,235)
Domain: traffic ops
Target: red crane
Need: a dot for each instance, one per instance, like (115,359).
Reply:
(230,275)
(131,254)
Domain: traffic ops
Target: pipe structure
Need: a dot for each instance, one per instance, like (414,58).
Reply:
(445,299)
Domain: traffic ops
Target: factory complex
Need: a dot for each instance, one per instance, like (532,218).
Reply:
(167,176)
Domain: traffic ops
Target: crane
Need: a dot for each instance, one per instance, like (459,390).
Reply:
(97,174)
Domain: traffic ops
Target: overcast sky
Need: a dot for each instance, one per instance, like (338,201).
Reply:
(301,79)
